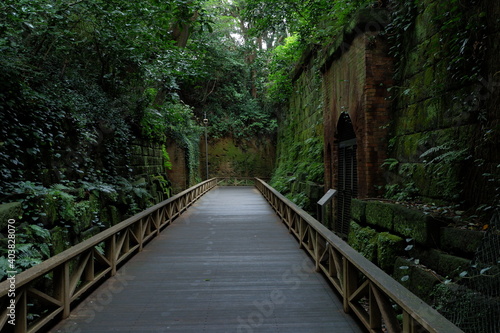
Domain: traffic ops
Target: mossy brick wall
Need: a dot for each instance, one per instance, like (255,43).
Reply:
(299,157)
(351,75)
(230,157)
(149,165)
(147,159)
(433,110)
(178,175)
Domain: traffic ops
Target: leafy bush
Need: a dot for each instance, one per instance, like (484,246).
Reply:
(284,58)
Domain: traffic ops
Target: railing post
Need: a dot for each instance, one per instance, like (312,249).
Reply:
(375,316)
(61,285)
(408,323)
(22,312)
(349,282)
(317,253)
(111,253)
(140,234)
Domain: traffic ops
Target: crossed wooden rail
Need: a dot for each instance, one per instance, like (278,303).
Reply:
(235,181)
(48,290)
(380,302)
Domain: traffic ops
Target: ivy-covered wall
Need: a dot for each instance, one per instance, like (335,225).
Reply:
(444,134)
(53,213)
(299,165)
(231,157)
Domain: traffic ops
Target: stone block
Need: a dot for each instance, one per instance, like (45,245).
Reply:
(417,279)
(422,283)
(389,247)
(380,214)
(444,264)
(402,271)
(358,208)
(460,241)
(412,223)
(363,240)
(452,266)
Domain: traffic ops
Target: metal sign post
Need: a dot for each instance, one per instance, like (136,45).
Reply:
(323,201)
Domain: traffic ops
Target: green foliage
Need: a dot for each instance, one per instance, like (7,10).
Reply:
(304,24)
(463,33)
(401,192)
(443,155)
(403,14)
(300,199)
(230,90)
(391,164)
(166,158)
(313,21)
(32,247)
(284,58)
(305,165)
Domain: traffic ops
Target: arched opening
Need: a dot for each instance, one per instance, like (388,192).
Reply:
(347,175)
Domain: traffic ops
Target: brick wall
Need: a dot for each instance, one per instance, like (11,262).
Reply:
(356,82)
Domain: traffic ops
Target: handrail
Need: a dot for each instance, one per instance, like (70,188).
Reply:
(68,275)
(236,181)
(366,290)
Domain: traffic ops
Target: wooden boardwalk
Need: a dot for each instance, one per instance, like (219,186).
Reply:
(228,264)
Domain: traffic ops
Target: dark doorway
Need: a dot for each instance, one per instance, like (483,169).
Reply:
(347,175)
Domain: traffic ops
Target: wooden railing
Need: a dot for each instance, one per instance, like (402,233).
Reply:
(379,301)
(236,181)
(48,290)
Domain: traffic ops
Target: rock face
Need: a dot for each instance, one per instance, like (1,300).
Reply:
(228,157)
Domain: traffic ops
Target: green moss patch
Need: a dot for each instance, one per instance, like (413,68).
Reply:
(363,240)
(358,210)
(388,248)
(380,214)
(412,223)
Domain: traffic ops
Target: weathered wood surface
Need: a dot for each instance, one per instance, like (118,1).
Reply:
(226,265)
(366,290)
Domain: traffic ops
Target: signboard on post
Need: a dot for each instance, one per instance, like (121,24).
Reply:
(323,201)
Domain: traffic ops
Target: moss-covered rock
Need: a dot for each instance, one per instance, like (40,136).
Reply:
(84,212)
(418,280)
(460,241)
(363,240)
(417,225)
(380,214)
(389,247)
(358,208)
(11,210)
(402,271)
(422,283)
(452,266)
(444,264)
(229,157)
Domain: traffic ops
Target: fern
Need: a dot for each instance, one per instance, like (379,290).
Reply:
(391,163)
(444,155)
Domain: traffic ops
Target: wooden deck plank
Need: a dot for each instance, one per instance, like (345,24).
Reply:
(226,265)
